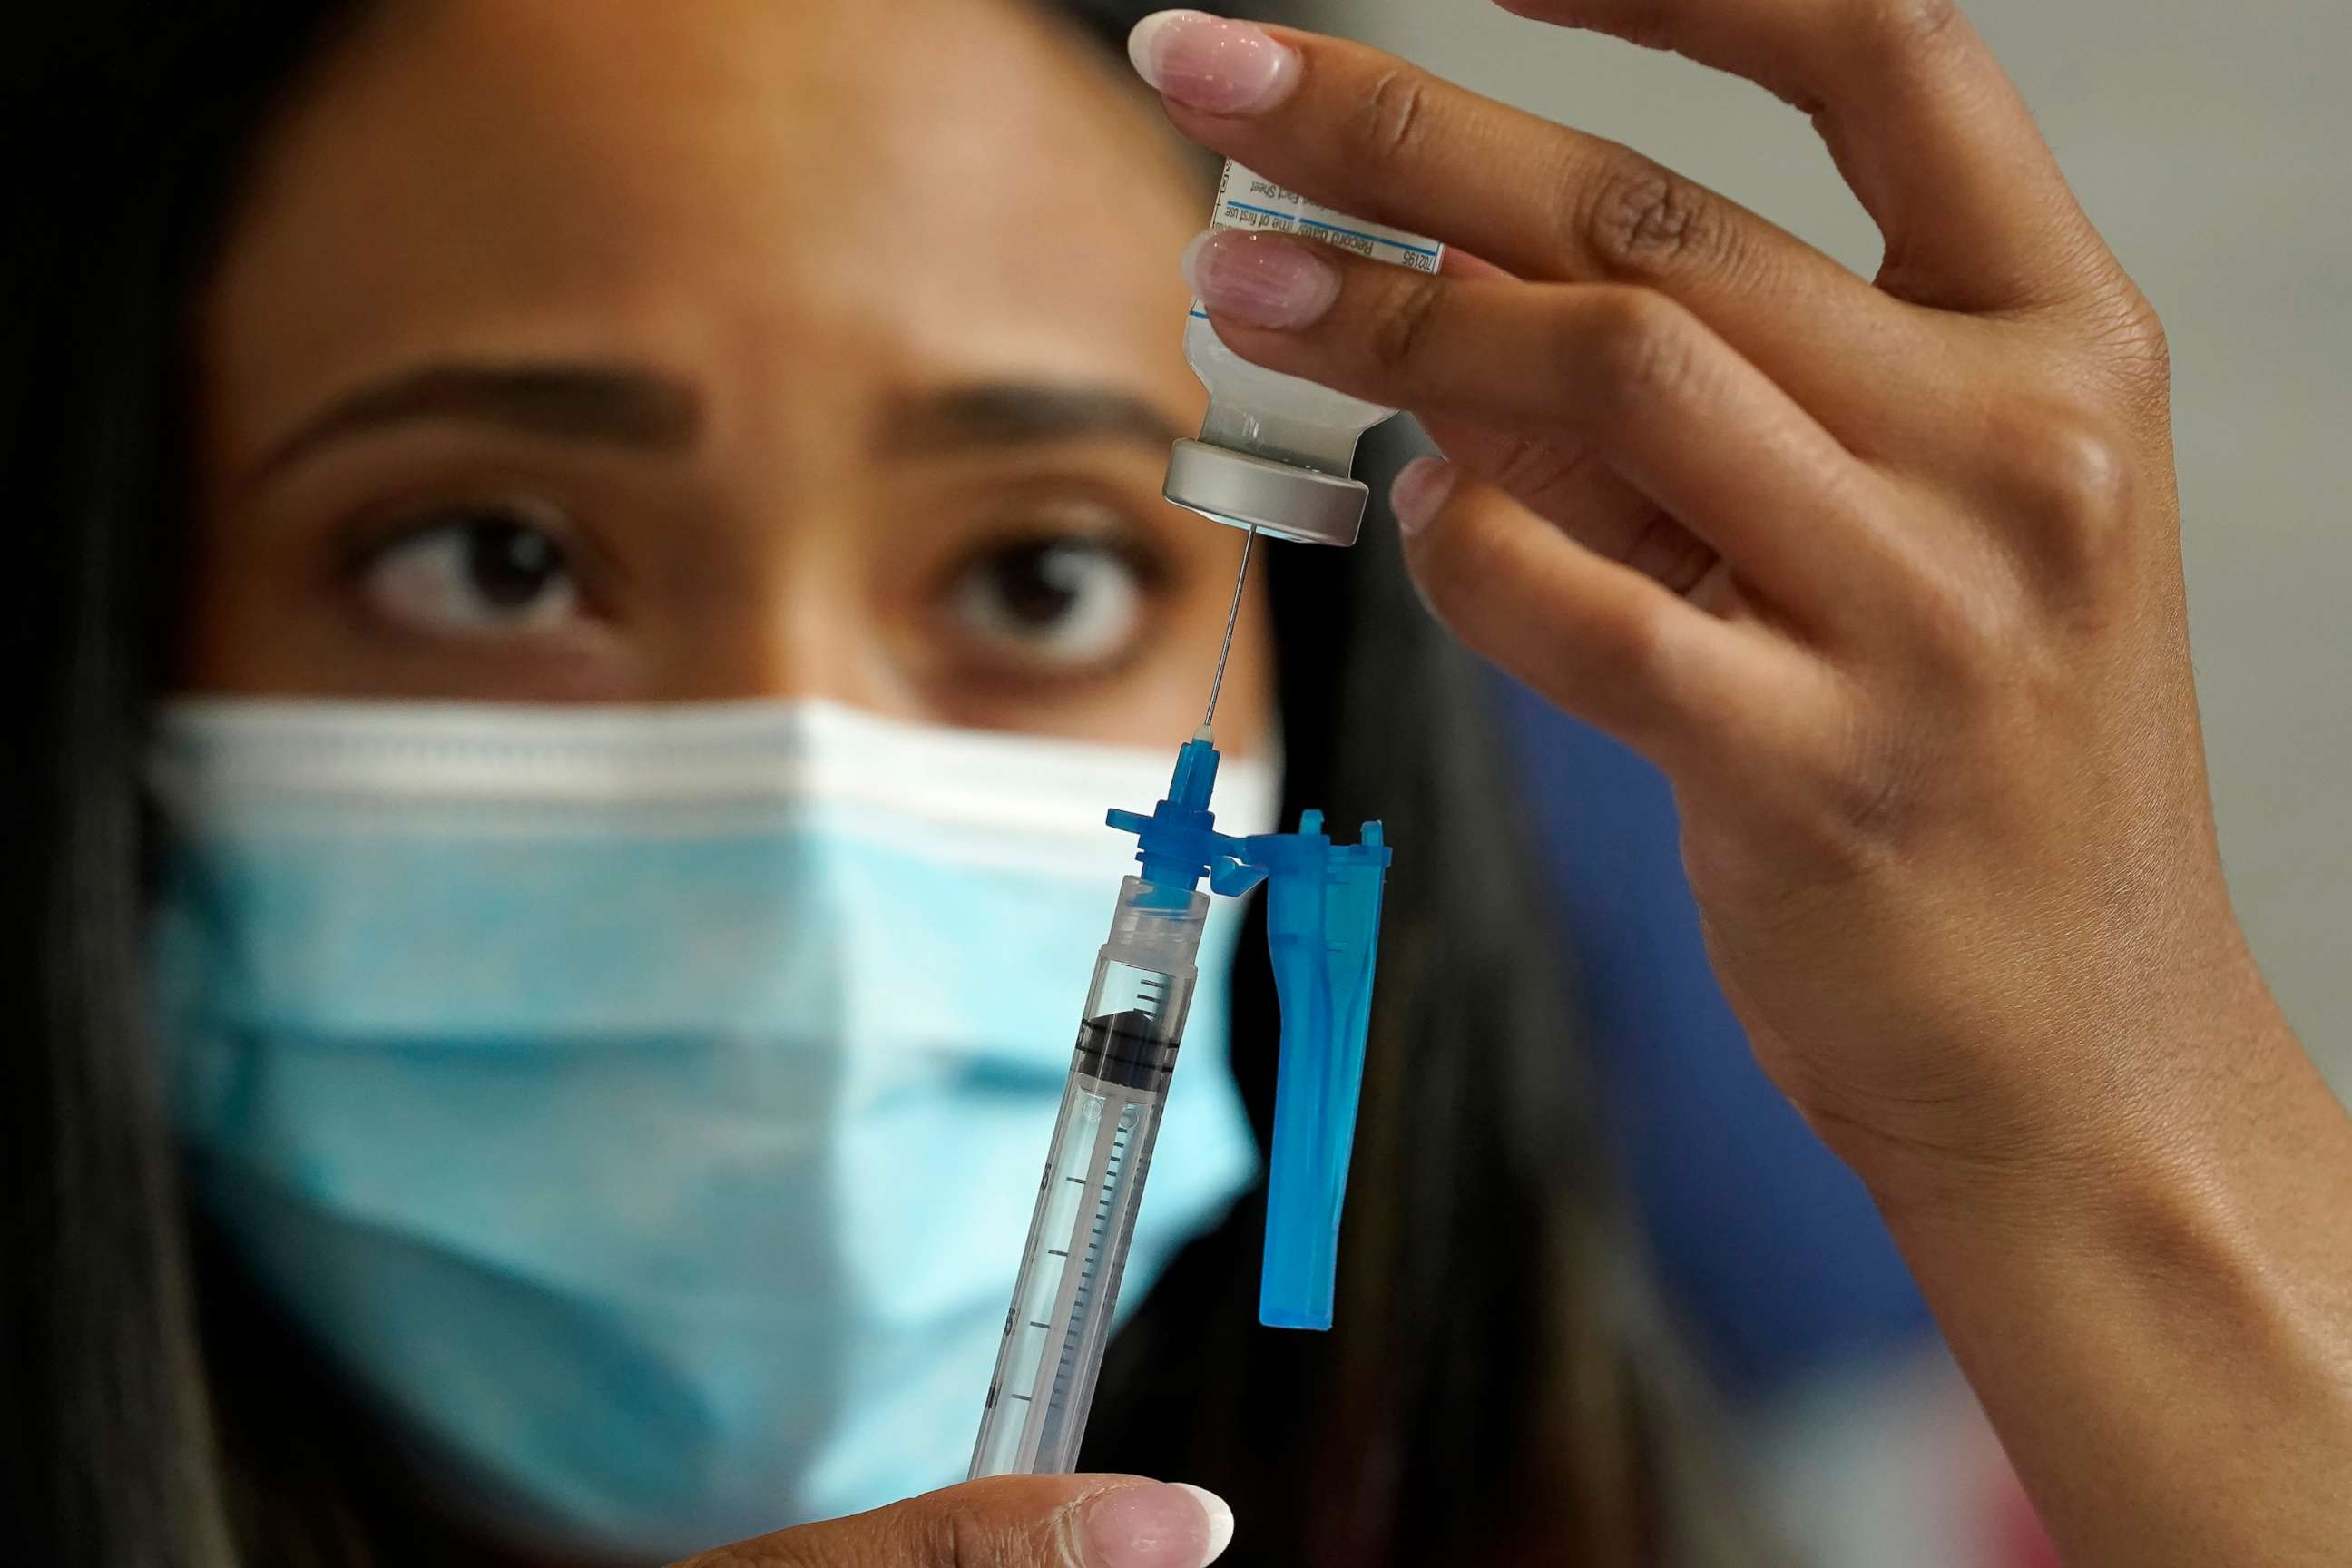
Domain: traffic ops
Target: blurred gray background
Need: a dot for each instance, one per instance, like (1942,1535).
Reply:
(2212,143)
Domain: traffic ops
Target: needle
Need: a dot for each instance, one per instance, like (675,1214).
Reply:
(1232,616)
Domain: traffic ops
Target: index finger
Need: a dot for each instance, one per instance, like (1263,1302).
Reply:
(1929,131)
(1374,135)
(1385,141)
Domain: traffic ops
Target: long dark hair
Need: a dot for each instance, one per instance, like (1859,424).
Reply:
(1499,1385)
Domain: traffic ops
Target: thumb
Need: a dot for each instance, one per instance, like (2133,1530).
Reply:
(1012,1522)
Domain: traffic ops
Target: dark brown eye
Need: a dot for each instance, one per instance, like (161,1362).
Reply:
(474,571)
(1059,601)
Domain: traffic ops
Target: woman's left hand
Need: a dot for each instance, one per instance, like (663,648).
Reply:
(1886,575)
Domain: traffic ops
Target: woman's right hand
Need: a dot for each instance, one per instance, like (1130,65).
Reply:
(1886,575)
(1012,1522)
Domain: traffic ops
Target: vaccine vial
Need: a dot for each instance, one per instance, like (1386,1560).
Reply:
(1277,454)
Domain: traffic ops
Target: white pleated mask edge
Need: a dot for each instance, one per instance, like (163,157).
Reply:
(210,755)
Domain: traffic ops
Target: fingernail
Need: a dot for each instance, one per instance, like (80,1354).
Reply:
(1419,493)
(1221,1518)
(1210,64)
(1155,1526)
(1261,279)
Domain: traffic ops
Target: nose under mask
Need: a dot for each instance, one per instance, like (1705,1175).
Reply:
(643,1108)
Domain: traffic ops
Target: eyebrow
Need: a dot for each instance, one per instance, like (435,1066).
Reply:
(1021,414)
(616,405)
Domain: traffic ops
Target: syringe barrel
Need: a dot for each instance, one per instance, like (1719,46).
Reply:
(1156,928)
(1096,1166)
(1142,990)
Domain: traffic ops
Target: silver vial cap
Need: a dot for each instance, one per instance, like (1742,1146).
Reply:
(1274,498)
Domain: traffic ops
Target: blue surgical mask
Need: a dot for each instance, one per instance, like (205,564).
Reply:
(644,1107)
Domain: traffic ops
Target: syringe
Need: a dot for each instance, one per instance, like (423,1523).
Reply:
(1275,455)
(1095,1170)
(1323,919)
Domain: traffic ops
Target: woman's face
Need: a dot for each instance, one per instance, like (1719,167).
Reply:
(589,350)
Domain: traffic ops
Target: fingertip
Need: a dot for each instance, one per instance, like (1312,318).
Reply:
(1271,280)
(1220,1518)
(1144,40)
(1189,263)
(1217,65)
(1155,1524)
(1420,493)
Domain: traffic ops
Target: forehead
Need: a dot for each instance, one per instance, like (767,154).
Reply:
(893,188)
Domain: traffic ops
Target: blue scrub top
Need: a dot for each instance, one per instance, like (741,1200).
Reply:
(1761,1237)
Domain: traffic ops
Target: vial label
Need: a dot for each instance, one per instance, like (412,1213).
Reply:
(1251,201)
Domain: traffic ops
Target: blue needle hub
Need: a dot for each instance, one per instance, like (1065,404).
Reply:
(1323,926)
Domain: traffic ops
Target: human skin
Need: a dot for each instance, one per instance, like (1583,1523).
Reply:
(569,351)
(1885,574)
